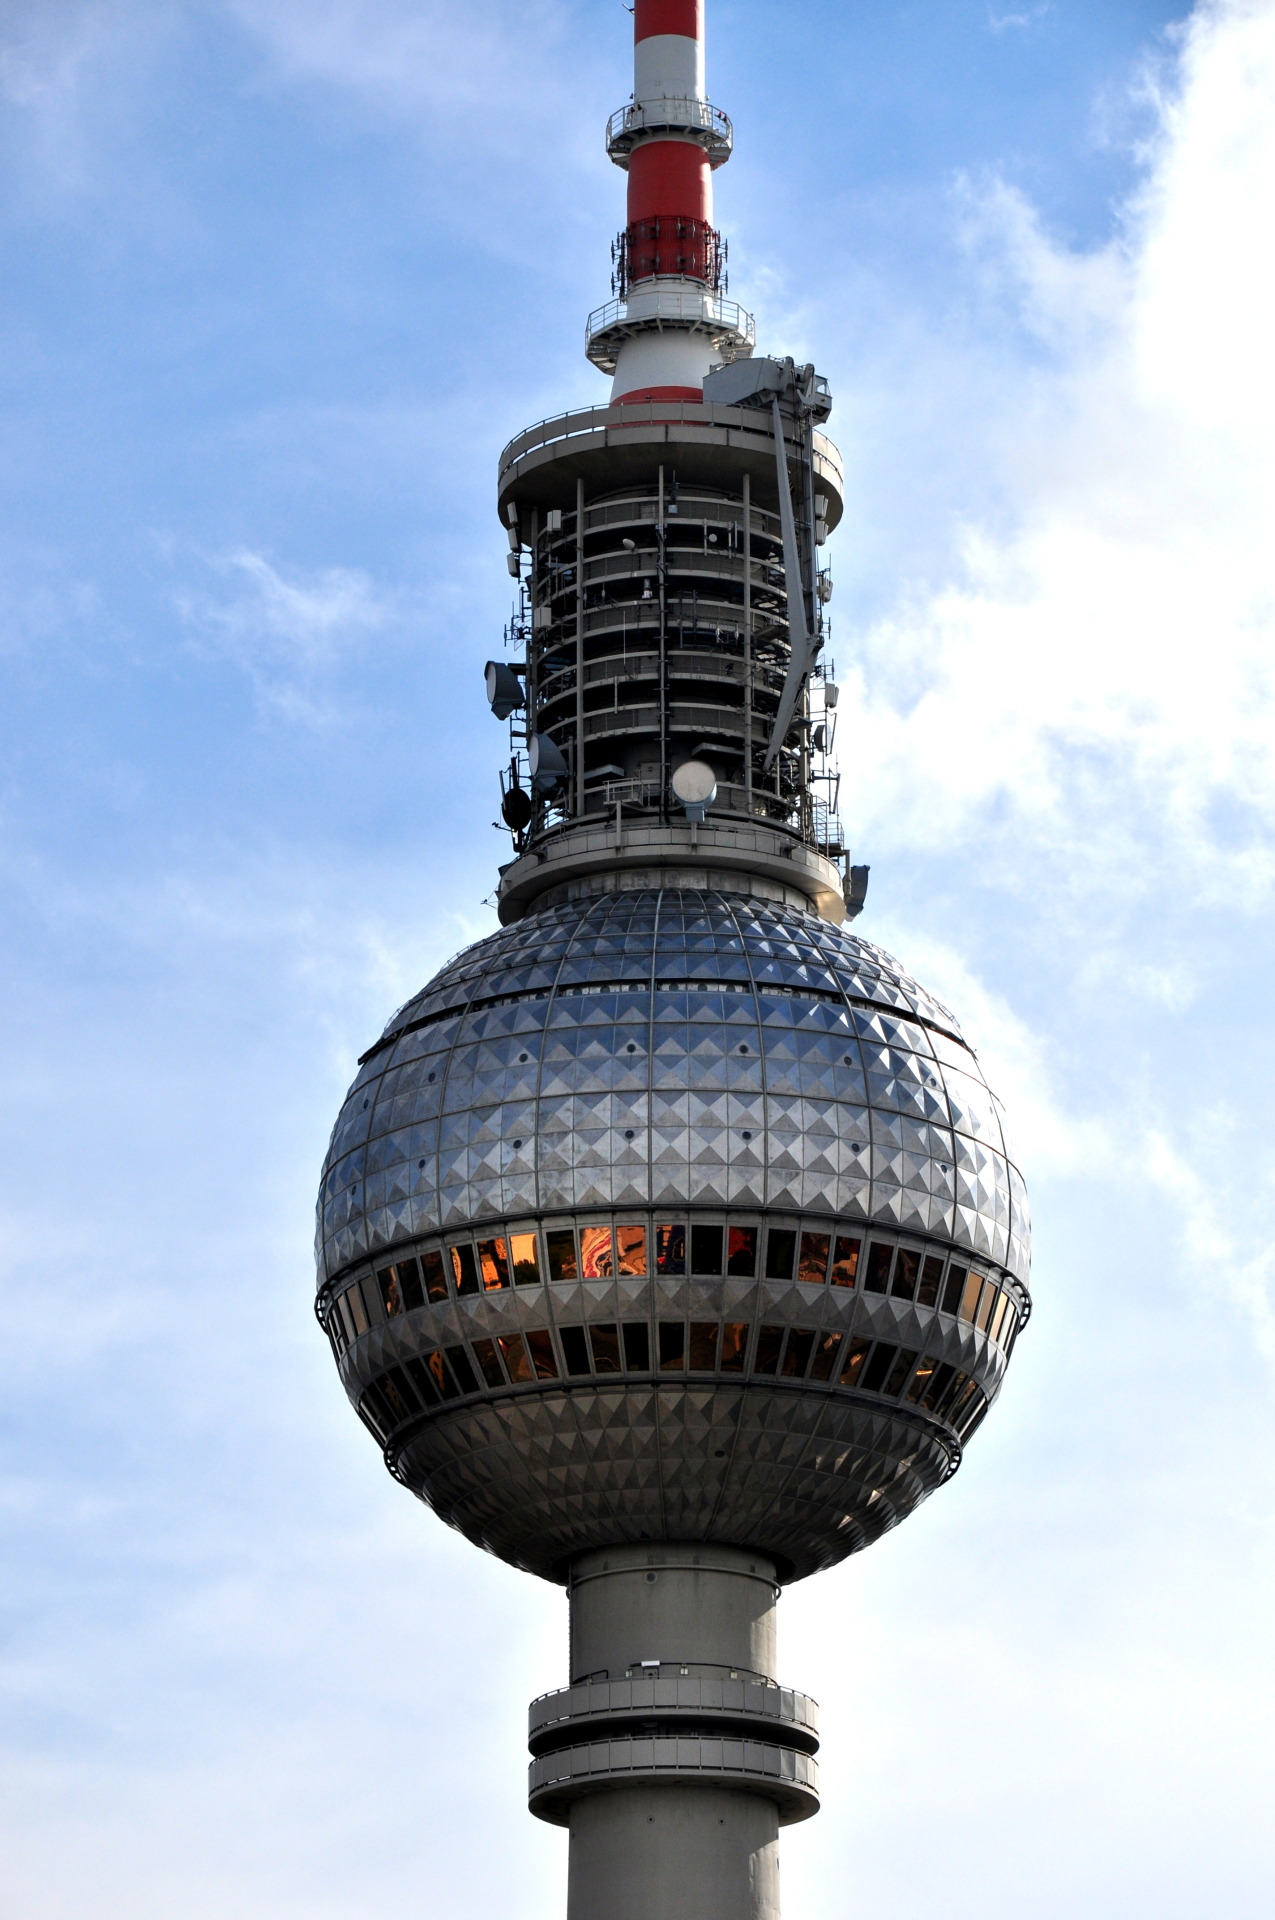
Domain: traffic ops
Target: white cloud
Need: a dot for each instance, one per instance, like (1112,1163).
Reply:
(1101,678)
(289,635)
(1009,22)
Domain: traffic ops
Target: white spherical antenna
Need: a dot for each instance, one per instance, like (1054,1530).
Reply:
(695,784)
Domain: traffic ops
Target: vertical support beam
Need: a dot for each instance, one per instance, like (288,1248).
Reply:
(748,642)
(579,766)
(665,770)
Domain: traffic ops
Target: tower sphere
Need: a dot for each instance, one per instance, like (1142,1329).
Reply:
(672,1214)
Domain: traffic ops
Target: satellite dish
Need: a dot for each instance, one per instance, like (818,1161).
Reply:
(548,768)
(695,784)
(504,689)
(516,809)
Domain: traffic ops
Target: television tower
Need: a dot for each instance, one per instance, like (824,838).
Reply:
(669,1244)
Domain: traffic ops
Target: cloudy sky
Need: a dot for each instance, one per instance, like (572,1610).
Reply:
(279,279)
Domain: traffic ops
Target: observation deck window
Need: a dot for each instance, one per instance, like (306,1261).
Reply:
(515,1357)
(489,1362)
(797,1352)
(464,1268)
(741,1251)
(525,1259)
(560,1244)
(734,1346)
(827,1353)
(630,1251)
(540,1347)
(706,1249)
(781,1252)
(466,1378)
(670,1250)
(605,1340)
(900,1372)
(812,1266)
(770,1340)
(493,1262)
(637,1346)
(906,1269)
(672,1336)
(879,1258)
(954,1289)
(575,1350)
(704,1346)
(969,1299)
(878,1366)
(931,1274)
(845,1261)
(597,1259)
(435,1277)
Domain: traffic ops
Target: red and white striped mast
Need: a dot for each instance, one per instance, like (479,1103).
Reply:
(670,323)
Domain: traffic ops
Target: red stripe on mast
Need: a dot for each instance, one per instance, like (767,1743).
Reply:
(669,177)
(668,16)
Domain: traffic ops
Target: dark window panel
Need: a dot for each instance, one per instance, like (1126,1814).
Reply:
(769,1342)
(956,1386)
(734,1346)
(575,1349)
(703,1346)
(922,1380)
(706,1249)
(606,1347)
(954,1289)
(409,1284)
(927,1294)
(972,1418)
(878,1276)
(540,1347)
(526,1261)
(424,1381)
(464,1268)
(561,1246)
(906,1268)
(399,1396)
(489,1361)
(827,1353)
(376,1414)
(900,1372)
(630,1250)
(1011,1329)
(878,1366)
(962,1401)
(515,1357)
(670,1249)
(371,1295)
(944,1375)
(442,1376)
(345,1319)
(391,1298)
(597,1253)
(853,1369)
(812,1262)
(637,1346)
(797,1352)
(352,1300)
(845,1261)
(741,1251)
(781,1251)
(435,1275)
(462,1367)
(672,1346)
(493,1264)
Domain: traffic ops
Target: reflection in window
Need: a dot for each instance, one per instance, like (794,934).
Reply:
(540,1347)
(391,1299)
(953,1290)
(630,1250)
(516,1362)
(987,1307)
(372,1409)
(522,1248)
(463,1268)
(596,1257)
(734,1346)
(706,1249)
(781,1251)
(398,1404)
(879,1257)
(672,1346)
(345,1319)
(797,1352)
(637,1346)
(769,1342)
(575,1349)
(741,1251)
(489,1362)
(561,1247)
(906,1267)
(606,1348)
(493,1262)
(899,1372)
(441,1376)
(670,1249)
(827,1353)
(408,1274)
(927,1294)
(703,1346)
(423,1380)
(937,1387)
(435,1277)
(921,1380)
(466,1378)
(352,1300)
(878,1366)
(969,1299)
(845,1262)
(812,1264)
(855,1358)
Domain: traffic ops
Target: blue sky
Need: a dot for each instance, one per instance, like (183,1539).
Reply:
(279,279)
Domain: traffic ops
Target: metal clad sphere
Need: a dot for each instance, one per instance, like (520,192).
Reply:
(626,1073)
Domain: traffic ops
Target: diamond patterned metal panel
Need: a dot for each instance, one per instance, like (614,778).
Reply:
(673,1050)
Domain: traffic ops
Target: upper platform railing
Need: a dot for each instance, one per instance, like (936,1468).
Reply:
(696,120)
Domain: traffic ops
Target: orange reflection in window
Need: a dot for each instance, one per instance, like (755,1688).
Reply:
(630,1250)
(493,1259)
(596,1258)
(526,1265)
(845,1262)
